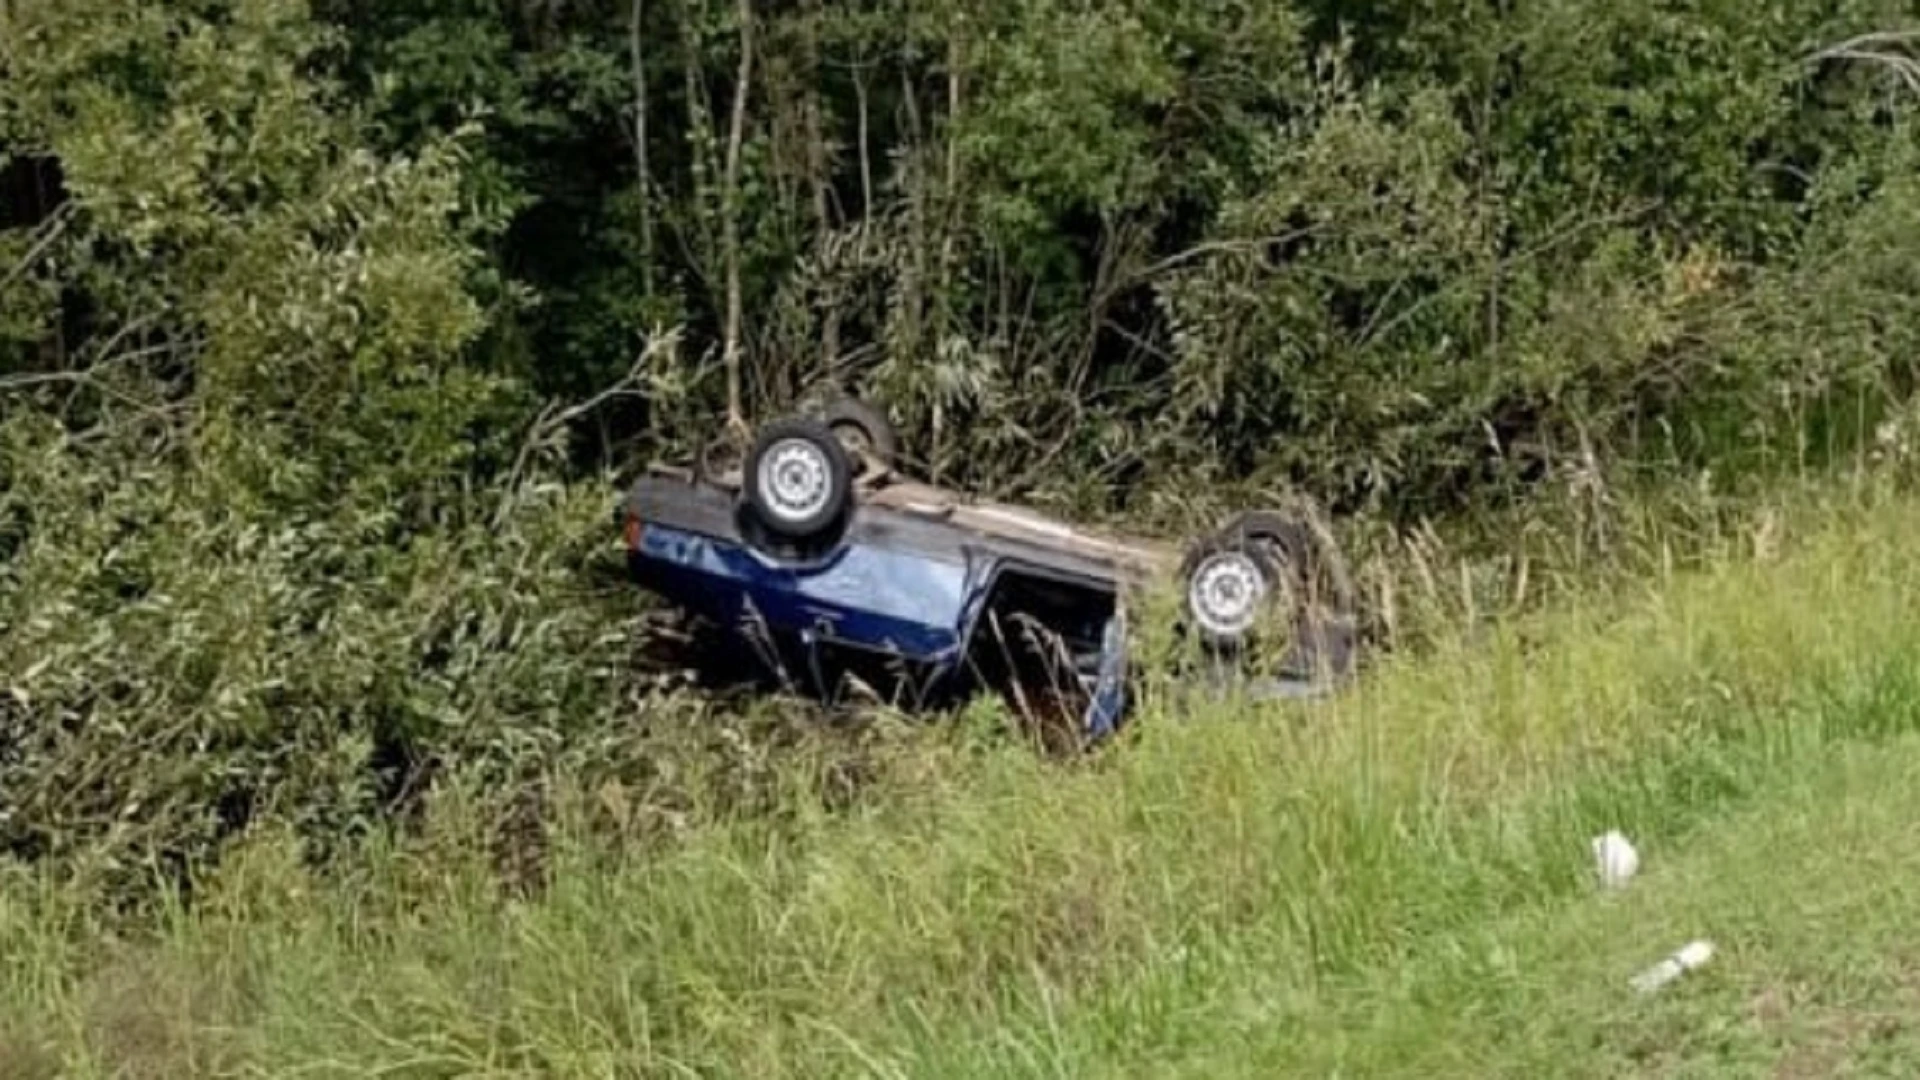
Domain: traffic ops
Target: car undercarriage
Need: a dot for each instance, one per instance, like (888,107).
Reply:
(835,571)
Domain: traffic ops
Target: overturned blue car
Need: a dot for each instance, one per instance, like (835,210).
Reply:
(818,559)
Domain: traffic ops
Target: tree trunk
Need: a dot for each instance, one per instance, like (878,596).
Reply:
(950,220)
(641,165)
(730,221)
(866,150)
(817,173)
(699,134)
(913,284)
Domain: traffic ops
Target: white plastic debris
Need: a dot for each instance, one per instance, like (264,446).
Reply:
(1691,956)
(1615,859)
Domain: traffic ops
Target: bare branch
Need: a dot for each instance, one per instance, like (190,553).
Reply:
(84,379)
(108,351)
(1212,247)
(50,231)
(1873,49)
(42,378)
(554,418)
(107,354)
(1862,41)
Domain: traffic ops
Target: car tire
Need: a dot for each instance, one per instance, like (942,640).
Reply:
(1300,547)
(1303,571)
(798,478)
(868,436)
(1229,581)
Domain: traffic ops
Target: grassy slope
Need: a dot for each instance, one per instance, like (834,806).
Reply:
(1395,882)
(1810,895)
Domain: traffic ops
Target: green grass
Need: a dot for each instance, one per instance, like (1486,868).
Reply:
(1809,893)
(1396,882)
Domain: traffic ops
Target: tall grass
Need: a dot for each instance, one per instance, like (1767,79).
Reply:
(986,898)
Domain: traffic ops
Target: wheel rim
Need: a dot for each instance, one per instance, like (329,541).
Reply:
(1225,593)
(796,479)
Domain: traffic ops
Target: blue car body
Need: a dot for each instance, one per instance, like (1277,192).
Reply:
(913,590)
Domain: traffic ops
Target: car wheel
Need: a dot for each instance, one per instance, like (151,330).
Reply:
(1314,566)
(798,478)
(1230,584)
(1306,583)
(864,431)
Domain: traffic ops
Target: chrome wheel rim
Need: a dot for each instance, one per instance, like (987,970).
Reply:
(1225,593)
(796,479)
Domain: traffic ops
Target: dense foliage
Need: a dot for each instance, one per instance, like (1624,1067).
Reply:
(302,307)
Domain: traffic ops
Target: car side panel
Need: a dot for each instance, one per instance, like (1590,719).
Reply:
(863,596)
(899,583)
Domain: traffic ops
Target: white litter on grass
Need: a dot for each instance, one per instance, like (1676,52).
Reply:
(1615,859)
(1691,956)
